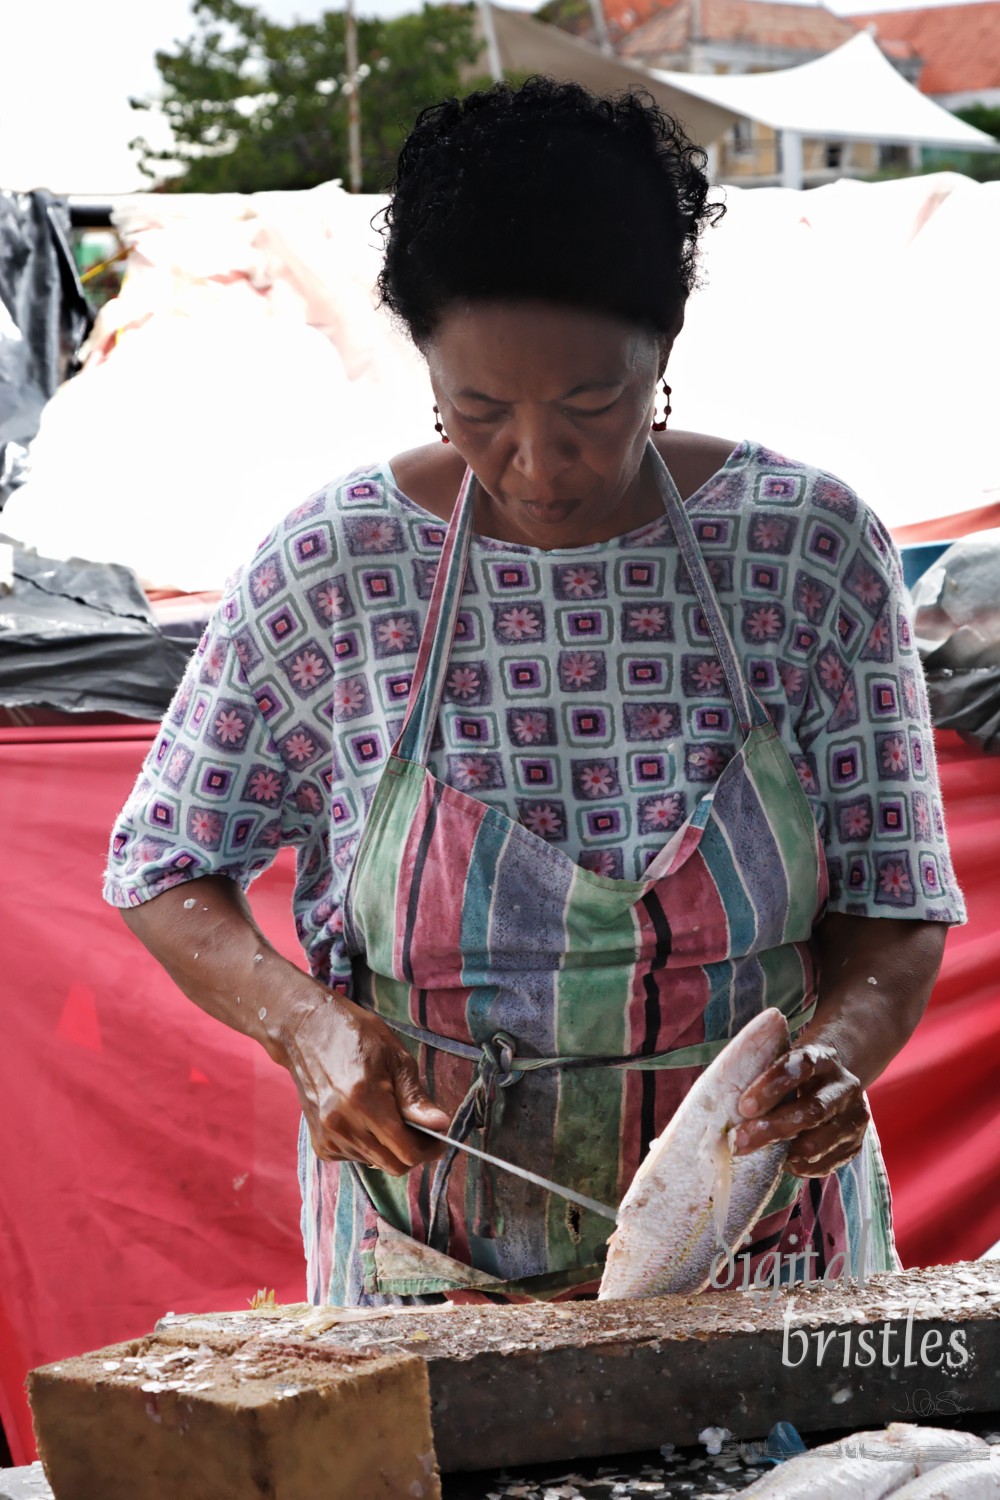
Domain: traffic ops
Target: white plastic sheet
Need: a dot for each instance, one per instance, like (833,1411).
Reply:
(243,365)
(853,326)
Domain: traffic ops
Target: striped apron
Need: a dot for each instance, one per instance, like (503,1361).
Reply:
(560,1016)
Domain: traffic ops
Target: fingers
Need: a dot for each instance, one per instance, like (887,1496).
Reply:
(411,1102)
(783,1077)
(825,1120)
(414,1104)
(792,1118)
(357,1146)
(358,1085)
(820,1152)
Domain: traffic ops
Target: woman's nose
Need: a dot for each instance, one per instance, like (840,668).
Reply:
(540,451)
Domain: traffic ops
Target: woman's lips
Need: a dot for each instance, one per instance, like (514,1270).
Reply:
(548,507)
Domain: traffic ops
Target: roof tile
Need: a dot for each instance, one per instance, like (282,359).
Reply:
(960,44)
(764,23)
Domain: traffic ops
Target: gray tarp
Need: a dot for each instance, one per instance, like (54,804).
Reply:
(80,636)
(43,320)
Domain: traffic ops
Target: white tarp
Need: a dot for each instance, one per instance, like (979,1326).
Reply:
(851,326)
(851,94)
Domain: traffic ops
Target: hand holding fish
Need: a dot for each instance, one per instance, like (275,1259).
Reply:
(874,981)
(826,1116)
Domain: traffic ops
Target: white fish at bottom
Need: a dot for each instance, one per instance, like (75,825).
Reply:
(691,1194)
(969,1480)
(864,1466)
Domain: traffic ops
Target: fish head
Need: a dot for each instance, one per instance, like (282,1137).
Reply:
(750,1052)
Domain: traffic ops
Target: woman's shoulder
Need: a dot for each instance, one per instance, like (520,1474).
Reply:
(430,476)
(760,481)
(335,511)
(694,459)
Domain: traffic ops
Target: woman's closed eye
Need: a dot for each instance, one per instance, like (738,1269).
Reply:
(568,411)
(598,411)
(493,416)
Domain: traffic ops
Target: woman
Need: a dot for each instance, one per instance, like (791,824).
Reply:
(662,754)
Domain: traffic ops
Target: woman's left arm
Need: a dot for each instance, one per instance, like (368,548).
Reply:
(876,975)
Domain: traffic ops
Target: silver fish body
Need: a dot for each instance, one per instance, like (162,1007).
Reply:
(868,1465)
(691,1192)
(971,1479)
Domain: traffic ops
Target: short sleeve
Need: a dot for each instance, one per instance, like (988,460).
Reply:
(213,796)
(869,746)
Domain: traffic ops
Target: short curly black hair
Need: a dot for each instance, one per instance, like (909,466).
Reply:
(545,191)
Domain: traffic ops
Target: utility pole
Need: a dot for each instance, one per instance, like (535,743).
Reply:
(353,102)
(601,26)
(492,46)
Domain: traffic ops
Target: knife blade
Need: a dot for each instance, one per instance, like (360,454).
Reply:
(508,1166)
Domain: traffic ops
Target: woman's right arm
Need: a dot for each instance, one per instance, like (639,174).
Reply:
(358,1085)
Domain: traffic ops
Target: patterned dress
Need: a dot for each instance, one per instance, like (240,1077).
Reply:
(584,697)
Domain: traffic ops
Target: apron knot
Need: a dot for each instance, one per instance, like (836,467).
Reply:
(496,1071)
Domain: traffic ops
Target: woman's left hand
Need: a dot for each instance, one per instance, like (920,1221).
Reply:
(874,979)
(810,1098)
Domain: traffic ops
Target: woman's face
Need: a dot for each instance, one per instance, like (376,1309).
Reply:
(551,407)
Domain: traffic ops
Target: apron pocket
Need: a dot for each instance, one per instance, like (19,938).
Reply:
(399,1265)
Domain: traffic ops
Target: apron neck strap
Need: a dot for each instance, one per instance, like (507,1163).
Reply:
(431,669)
(748,710)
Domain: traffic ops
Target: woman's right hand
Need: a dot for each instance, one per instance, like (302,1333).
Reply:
(359,1086)
(357,1083)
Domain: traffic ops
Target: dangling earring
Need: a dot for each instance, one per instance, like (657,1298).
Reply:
(439,427)
(661,424)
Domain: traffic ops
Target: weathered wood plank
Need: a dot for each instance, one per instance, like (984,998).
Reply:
(530,1383)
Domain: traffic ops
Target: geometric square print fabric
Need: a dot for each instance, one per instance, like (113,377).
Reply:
(583,697)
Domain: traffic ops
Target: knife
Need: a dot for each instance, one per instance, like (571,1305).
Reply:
(533,1177)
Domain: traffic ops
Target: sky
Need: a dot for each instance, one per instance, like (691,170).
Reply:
(67,70)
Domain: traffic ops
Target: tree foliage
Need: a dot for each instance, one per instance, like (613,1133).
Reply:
(254,105)
(984,166)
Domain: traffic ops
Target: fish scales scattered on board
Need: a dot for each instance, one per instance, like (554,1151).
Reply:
(691,1193)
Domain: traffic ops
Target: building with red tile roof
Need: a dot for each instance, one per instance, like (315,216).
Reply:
(953,47)
(734,36)
(802,31)
(959,46)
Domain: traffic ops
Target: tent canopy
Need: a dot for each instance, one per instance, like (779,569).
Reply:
(529,46)
(851,94)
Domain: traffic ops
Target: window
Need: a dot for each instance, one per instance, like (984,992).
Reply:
(894,156)
(741,137)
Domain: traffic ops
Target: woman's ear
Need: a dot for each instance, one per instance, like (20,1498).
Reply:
(667,340)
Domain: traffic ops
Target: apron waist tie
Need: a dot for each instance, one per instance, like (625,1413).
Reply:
(498,1067)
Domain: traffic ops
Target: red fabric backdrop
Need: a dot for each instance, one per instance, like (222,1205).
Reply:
(149,1153)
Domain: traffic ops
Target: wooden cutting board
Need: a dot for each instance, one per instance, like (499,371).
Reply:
(529,1383)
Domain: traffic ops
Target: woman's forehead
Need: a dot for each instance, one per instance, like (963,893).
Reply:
(499,349)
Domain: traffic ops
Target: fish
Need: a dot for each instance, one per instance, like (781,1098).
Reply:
(859,1467)
(692,1195)
(969,1480)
